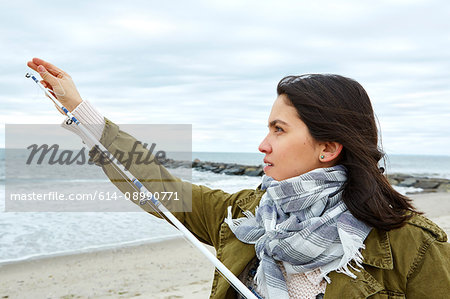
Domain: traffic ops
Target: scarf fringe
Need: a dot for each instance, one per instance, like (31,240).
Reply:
(261,285)
(352,246)
(234,223)
(344,269)
(357,258)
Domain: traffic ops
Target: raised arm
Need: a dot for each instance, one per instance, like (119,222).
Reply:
(208,206)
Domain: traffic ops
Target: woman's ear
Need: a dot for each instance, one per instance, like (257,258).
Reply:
(330,152)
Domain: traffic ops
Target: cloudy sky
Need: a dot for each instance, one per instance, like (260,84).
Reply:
(216,64)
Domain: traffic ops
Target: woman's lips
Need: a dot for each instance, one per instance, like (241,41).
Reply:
(268,166)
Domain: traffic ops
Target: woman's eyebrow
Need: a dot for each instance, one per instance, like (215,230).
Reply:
(274,122)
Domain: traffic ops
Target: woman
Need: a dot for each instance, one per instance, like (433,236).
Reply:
(324,222)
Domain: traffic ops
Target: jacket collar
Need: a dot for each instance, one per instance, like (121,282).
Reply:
(378,251)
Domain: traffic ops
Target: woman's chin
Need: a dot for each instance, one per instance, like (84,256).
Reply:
(272,175)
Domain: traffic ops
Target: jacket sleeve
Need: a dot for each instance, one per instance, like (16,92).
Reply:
(199,208)
(431,273)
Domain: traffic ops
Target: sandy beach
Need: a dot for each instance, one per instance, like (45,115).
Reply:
(169,269)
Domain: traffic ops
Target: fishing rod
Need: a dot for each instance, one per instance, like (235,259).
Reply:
(157,205)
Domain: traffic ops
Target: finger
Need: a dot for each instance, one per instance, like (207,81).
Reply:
(31,65)
(46,85)
(49,87)
(50,67)
(49,78)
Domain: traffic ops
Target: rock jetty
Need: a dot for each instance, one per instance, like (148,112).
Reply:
(427,184)
(217,167)
(403,180)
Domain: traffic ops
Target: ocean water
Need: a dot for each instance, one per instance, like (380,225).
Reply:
(35,235)
(417,165)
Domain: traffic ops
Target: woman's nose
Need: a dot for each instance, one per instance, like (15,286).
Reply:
(265,146)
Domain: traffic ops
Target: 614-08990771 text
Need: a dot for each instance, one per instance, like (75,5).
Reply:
(97,195)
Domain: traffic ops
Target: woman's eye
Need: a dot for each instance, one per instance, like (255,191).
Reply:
(278,129)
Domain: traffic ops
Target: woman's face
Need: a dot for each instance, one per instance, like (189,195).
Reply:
(289,147)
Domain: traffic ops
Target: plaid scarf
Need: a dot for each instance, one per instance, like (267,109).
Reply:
(303,223)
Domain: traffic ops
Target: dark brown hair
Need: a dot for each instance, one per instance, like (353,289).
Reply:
(336,108)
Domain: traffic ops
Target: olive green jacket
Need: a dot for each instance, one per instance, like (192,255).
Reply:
(412,262)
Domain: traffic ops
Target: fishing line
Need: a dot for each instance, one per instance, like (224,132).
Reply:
(159,208)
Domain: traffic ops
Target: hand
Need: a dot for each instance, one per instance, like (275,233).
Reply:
(58,81)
